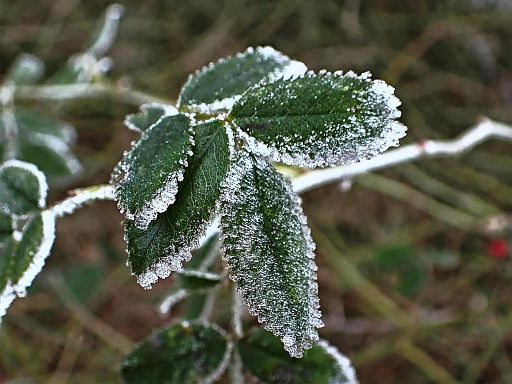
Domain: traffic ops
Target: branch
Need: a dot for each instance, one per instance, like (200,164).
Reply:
(82,197)
(484,130)
(84,91)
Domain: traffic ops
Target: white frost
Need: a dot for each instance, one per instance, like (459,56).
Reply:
(344,364)
(7,296)
(168,110)
(171,300)
(82,197)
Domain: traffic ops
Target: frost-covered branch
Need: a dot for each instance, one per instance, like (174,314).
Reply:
(82,197)
(84,91)
(485,129)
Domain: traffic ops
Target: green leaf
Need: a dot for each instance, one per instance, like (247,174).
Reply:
(169,240)
(45,143)
(182,354)
(149,114)
(262,354)
(23,188)
(5,226)
(146,179)
(269,252)
(27,69)
(320,120)
(220,82)
(22,260)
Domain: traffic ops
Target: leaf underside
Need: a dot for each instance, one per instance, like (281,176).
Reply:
(169,240)
(269,252)
(184,353)
(230,77)
(262,354)
(320,120)
(146,179)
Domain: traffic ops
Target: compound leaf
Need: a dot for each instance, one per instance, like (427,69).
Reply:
(184,353)
(262,354)
(23,188)
(269,252)
(219,83)
(146,179)
(22,260)
(320,120)
(169,240)
(149,114)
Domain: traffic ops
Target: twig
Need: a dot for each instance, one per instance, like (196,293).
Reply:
(82,197)
(85,91)
(484,130)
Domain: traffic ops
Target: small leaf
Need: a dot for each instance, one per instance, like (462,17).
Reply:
(263,356)
(146,179)
(23,188)
(193,279)
(149,114)
(219,83)
(27,69)
(182,354)
(269,252)
(320,120)
(5,226)
(23,260)
(169,240)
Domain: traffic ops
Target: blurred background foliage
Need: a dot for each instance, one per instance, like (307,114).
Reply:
(415,269)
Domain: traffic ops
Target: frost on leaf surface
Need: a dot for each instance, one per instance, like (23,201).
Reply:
(220,83)
(269,252)
(44,142)
(146,180)
(168,241)
(23,188)
(184,353)
(262,354)
(149,114)
(21,260)
(320,120)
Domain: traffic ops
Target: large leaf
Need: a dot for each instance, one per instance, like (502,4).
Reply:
(146,179)
(184,353)
(269,252)
(44,142)
(263,356)
(149,114)
(22,260)
(219,83)
(23,188)
(320,120)
(169,240)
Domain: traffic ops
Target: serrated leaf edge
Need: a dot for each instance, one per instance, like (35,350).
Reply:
(295,350)
(390,137)
(293,69)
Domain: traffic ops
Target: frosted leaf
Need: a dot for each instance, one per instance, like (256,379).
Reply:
(149,114)
(319,120)
(322,364)
(184,353)
(269,252)
(27,69)
(168,240)
(6,227)
(23,188)
(146,180)
(217,85)
(22,260)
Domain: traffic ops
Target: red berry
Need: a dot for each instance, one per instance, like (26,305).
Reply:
(498,249)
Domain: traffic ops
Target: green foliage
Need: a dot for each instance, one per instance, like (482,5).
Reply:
(149,114)
(232,76)
(262,355)
(183,353)
(269,252)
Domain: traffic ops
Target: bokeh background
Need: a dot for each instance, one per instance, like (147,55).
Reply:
(415,269)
